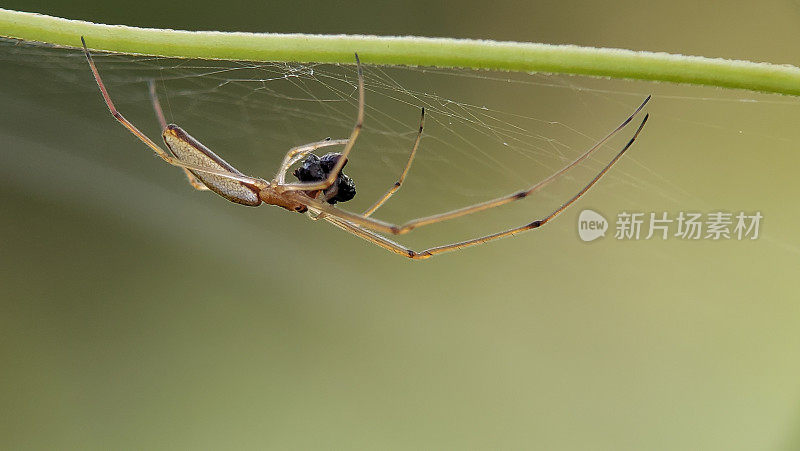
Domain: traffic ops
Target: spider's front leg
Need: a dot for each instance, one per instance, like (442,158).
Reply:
(370,223)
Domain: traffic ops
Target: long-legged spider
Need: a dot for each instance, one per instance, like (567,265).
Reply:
(321,181)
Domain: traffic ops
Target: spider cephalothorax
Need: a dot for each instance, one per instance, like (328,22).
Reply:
(316,169)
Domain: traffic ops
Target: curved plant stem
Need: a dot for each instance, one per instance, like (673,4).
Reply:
(439,52)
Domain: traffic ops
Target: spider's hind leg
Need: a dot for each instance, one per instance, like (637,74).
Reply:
(242,189)
(194,181)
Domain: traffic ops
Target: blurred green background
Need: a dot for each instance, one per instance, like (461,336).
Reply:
(137,313)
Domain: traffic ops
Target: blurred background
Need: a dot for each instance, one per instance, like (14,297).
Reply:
(138,313)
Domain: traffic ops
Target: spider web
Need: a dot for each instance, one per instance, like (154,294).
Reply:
(486,133)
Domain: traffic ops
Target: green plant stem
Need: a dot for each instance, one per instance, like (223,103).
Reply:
(413,51)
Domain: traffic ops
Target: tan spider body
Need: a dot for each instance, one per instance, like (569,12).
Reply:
(207,171)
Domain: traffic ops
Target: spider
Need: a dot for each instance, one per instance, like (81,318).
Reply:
(321,181)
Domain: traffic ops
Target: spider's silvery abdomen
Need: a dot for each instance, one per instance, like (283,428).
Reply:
(189,150)
(316,169)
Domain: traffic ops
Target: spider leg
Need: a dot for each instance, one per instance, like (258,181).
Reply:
(371,236)
(430,252)
(295,154)
(385,227)
(163,154)
(194,181)
(400,180)
(311,186)
(151,84)
(257,182)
